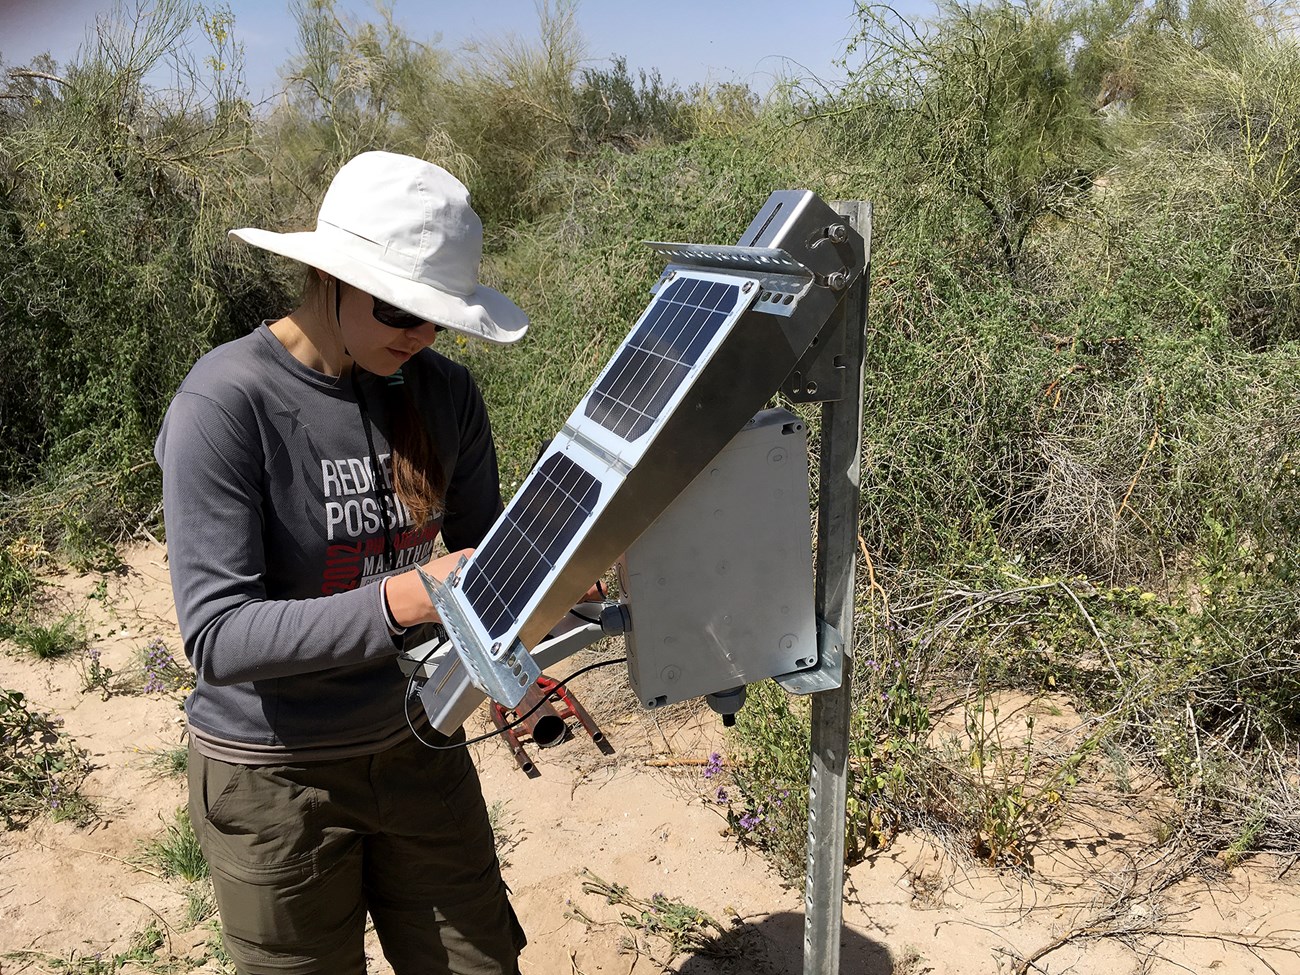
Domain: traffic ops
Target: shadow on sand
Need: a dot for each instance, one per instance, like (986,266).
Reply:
(774,946)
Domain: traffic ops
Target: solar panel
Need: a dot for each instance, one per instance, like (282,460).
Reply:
(677,327)
(528,541)
(504,598)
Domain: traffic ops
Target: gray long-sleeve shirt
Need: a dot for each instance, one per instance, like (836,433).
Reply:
(275,531)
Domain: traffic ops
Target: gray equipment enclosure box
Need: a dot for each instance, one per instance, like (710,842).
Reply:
(720,588)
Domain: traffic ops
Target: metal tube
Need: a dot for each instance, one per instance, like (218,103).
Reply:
(584,718)
(512,740)
(837,534)
(544,725)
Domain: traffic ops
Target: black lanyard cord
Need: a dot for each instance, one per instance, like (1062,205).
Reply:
(378,476)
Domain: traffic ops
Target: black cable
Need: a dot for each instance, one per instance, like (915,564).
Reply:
(410,681)
(601,591)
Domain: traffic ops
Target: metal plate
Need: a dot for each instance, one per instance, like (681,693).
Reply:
(505,678)
(818,377)
(829,672)
(720,588)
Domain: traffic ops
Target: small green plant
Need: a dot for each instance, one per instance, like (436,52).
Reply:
(95,675)
(216,946)
(74,964)
(100,593)
(176,852)
(144,946)
(200,904)
(173,762)
(769,807)
(65,636)
(506,832)
(141,955)
(679,925)
(1245,843)
(41,770)
(18,586)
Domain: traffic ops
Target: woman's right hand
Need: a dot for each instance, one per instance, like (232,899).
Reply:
(408,600)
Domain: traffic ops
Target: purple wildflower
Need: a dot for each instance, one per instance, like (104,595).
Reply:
(160,667)
(720,797)
(714,766)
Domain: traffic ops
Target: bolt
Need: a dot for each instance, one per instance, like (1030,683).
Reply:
(838,233)
(837,280)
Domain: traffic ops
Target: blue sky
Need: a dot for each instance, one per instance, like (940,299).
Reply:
(689,41)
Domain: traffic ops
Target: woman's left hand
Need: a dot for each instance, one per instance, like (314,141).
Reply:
(408,600)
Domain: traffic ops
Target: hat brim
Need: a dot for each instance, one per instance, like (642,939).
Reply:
(485,313)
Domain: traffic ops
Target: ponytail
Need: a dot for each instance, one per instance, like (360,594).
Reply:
(418,477)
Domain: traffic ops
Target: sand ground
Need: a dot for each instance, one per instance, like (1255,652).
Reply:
(1097,901)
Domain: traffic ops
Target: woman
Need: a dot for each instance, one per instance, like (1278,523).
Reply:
(307,468)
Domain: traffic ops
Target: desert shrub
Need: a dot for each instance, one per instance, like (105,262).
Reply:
(511,110)
(1203,103)
(41,769)
(982,110)
(19,585)
(611,107)
(583,273)
(1079,475)
(115,198)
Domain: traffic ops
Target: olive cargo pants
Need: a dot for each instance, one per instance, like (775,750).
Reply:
(300,852)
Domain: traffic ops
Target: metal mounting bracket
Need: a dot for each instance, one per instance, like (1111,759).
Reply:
(820,375)
(829,672)
(488,668)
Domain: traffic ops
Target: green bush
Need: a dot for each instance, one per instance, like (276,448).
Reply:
(18,587)
(41,769)
(65,636)
(1083,361)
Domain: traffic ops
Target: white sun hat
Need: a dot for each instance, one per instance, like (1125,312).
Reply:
(402,230)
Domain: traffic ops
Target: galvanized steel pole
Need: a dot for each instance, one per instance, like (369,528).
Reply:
(837,546)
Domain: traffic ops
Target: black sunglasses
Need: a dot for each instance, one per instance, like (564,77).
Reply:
(395,317)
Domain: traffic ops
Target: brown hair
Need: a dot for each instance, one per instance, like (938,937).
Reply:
(418,478)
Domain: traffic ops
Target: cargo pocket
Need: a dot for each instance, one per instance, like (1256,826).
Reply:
(282,879)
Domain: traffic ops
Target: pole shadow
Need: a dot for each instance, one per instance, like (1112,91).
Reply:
(774,946)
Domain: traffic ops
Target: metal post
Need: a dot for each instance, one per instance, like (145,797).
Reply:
(837,543)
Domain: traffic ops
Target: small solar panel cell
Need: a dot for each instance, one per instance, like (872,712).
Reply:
(528,541)
(655,361)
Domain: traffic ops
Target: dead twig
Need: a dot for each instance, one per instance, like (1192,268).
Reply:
(1097,932)
(1155,438)
(674,762)
(107,856)
(39,75)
